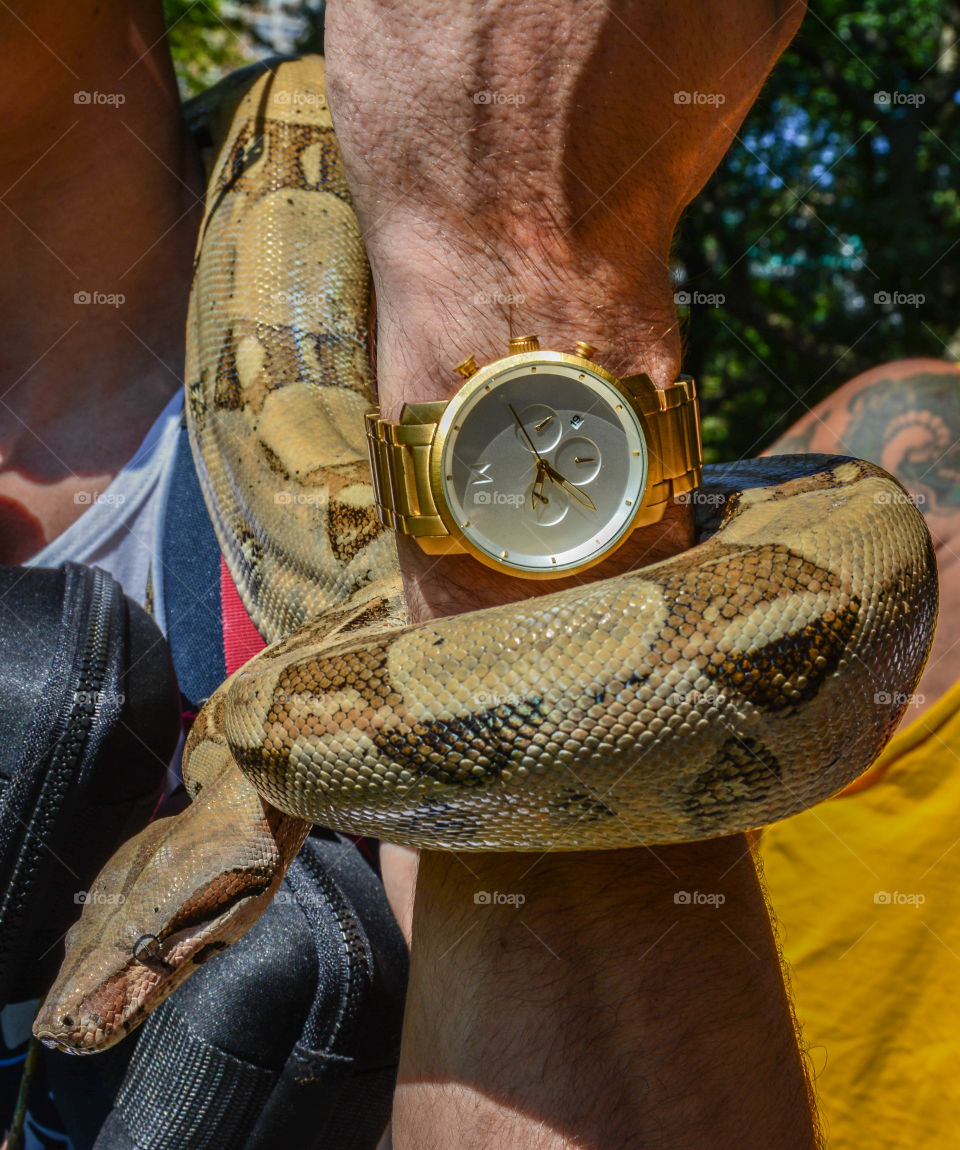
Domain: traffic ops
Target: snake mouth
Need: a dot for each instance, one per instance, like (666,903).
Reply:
(53,1043)
(86,1037)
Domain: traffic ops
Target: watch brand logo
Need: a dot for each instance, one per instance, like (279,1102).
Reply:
(479,473)
(499,498)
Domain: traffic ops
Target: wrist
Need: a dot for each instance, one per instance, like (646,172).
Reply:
(428,323)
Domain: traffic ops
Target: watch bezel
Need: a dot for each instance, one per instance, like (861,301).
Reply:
(479,381)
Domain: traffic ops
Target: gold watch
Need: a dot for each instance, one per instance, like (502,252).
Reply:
(541,465)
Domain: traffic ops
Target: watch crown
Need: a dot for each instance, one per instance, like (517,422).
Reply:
(584,350)
(522,343)
(466,367)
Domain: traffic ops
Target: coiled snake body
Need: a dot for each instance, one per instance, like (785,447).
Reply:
(722,689)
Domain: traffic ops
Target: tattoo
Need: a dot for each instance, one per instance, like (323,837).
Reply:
(795,442)
(911,426)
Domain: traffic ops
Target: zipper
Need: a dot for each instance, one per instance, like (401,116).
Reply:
(70,737)
(357,968)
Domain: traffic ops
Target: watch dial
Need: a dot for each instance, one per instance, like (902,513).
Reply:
(544,467)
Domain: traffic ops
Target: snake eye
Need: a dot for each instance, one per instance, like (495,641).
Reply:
(147,949)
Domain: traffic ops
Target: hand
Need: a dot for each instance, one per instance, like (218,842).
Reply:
(562,481)
(536,491)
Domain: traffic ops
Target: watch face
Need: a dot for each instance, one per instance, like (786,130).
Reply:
(543,465)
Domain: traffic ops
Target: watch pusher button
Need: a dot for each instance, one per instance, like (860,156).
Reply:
(466,367)
(584,350)
(521,343)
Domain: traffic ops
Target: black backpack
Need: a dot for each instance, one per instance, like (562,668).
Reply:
(289,1038)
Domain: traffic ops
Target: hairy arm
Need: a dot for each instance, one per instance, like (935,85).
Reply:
(522,168)
(578,1003)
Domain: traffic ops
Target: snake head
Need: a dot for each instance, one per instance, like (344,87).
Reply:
(172,897)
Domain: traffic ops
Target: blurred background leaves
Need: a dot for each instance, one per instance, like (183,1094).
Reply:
(209,38)
(827,241)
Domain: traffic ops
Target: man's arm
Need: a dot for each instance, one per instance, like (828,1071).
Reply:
(522,168)
(103,198)
(599,1011)
(905,416)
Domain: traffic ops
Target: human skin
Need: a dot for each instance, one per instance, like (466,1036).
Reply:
(101,197)
(905,416)
(601,1013)
(658,1027)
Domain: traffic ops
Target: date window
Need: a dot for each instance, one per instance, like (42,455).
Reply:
(576,422)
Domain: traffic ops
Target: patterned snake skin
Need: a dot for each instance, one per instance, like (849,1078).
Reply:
(717,691)
(725,688)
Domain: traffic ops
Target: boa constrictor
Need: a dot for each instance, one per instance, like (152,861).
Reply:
(722,689)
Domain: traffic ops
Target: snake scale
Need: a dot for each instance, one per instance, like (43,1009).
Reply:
(722,689)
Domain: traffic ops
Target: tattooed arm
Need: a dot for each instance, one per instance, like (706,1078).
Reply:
(905,416)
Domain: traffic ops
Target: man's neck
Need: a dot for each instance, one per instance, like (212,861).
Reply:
(102,191)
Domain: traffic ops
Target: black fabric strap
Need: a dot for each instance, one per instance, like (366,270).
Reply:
(159,1105)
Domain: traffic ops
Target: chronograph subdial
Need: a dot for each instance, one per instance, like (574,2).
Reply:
(543,426)
(579,459)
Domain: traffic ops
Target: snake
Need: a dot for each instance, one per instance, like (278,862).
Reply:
(721,689)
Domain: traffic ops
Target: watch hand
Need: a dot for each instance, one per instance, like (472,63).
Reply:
(562,481)
(536,491)
(526,436)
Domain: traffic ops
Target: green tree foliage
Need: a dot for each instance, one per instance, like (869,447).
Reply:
(832,230)
(206,42)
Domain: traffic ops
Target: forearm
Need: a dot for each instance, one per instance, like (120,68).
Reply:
(600,1011)
(550,209)
(523,167)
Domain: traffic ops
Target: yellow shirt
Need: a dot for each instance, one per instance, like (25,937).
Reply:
(866,888)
